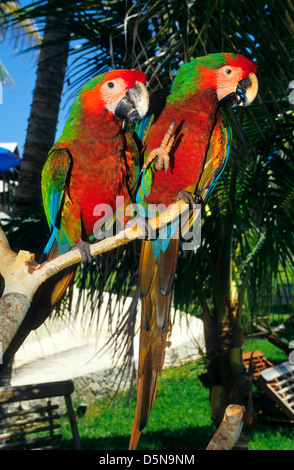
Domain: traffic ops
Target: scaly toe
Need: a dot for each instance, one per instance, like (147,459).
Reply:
(189,198)
(149,233)
(162,161)
(84,249)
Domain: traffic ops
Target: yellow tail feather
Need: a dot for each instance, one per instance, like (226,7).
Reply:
(156,281)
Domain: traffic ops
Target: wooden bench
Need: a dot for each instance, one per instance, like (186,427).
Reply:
(34,426)
(278,383)
(257,361)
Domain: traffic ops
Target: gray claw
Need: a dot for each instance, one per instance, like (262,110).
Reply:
(84,248)
(189,198)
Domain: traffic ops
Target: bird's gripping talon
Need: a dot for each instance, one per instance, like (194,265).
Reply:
(149,233)
(84,249)
(160,155)
(189,198)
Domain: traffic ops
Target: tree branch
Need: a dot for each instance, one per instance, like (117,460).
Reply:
(229,430)
(23,275)
(279,343)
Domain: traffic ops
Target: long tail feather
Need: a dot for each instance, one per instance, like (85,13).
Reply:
(156,276)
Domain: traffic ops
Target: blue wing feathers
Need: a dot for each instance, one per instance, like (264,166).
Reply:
(212,186)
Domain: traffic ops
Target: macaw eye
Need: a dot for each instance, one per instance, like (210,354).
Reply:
(110,84)
(228,71)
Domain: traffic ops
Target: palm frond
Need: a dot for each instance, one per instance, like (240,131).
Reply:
(23,29)
(157,37)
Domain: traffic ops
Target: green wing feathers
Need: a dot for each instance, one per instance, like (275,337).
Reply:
(216,157)
(54,176)
(215,162)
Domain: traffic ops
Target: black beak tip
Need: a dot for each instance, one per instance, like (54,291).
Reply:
(231,101)
(124,109)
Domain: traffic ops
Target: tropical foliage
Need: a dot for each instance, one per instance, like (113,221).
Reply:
(26,30)
(247,233)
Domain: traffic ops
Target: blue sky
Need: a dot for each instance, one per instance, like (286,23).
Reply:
(16,105)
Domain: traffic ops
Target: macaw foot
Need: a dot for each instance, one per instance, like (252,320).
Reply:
(84,248)
(160,155)
(189,198)
(149,233)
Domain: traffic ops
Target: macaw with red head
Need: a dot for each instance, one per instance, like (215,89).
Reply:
(92,163)
(200,147)
(87,166)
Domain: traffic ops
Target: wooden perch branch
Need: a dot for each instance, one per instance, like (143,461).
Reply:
(229,430)
(23,276)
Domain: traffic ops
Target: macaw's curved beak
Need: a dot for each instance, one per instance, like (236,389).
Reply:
(244,95)
(134,103)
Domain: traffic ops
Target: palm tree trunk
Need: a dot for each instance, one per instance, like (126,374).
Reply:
(43,118)
(42,125)
(223,332)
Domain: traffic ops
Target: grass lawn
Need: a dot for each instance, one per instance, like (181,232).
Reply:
(180,418)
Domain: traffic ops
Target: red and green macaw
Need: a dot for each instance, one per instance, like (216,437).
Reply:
(87,166)
(92,163)
(200,148)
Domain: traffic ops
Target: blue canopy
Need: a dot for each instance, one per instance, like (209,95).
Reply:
(8,159)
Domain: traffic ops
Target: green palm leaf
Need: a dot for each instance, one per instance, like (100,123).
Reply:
(253,201)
